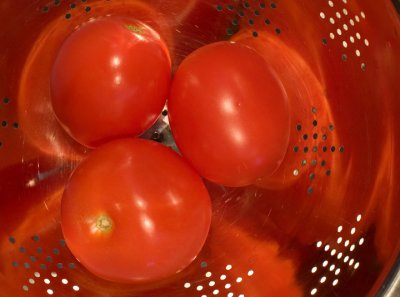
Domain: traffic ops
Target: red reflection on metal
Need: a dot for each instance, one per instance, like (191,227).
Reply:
(278,223)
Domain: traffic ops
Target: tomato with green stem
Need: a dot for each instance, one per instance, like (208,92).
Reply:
(110,79)
(134,211)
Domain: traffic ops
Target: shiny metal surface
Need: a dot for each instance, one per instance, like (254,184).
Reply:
(391,287)
(325,224)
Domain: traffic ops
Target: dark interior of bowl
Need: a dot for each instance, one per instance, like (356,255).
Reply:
(325,224)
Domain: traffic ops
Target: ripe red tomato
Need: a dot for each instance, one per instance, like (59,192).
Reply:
(135,211)
(229,114)
(110,79)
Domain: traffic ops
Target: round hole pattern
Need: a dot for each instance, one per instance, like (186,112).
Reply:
(244,14)
(333,14)
(52,275)
(333,261)
(212,282)
(63,281)
(307,143)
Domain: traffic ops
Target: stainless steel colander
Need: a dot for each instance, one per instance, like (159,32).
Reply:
(325,224)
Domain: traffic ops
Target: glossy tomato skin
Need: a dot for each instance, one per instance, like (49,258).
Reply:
(229,114)
(110,79)
(134,211)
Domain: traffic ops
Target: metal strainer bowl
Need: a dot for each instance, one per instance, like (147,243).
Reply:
(325,224)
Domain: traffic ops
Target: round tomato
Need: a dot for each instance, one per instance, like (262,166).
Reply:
(110,79)
(134,211)
(229,114)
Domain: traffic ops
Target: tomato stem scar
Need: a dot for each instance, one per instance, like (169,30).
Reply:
(134,29)
(104,223)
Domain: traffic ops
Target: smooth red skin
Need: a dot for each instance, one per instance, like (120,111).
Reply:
(228,114)
(135,181)
(86,96)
